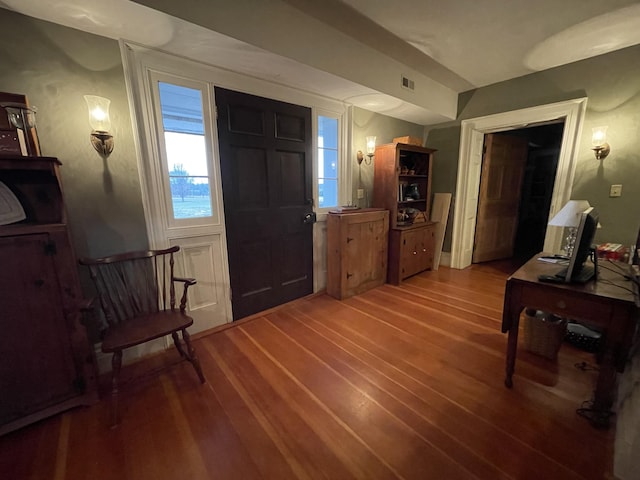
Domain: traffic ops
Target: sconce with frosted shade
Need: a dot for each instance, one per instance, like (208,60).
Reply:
(599,142)
(371,148)
(569,217)
(100,122)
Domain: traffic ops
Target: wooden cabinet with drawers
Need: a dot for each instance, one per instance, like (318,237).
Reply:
(357,243)
(411,251)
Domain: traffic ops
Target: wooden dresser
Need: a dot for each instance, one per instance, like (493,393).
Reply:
(46,362)
(357,243)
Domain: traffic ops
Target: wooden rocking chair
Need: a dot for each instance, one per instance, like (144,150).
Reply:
(137,295)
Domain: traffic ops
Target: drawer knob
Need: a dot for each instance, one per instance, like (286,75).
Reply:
(415,253)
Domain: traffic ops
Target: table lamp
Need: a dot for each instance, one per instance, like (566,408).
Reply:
(569,217)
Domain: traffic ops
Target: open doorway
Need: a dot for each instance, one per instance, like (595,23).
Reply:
(470,162)
(518,206)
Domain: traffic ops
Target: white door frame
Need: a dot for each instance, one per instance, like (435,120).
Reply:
(140,63)
(470,164)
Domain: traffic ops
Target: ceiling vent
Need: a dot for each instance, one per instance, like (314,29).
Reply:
(407,83)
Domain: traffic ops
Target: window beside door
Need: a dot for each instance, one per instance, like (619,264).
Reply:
(327,182)
(186,152)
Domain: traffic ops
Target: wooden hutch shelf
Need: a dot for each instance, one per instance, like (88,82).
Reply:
(402,180)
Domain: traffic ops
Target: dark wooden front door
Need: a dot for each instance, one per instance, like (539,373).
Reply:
(265,159)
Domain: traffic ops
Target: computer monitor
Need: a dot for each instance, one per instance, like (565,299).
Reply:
(577,271)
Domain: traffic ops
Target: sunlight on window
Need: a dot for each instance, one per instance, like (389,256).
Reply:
(183,124)
(327,162)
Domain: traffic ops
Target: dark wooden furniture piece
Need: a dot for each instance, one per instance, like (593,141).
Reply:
(607,303)
(402,179)
(46,362)
(137,294)
(356,251)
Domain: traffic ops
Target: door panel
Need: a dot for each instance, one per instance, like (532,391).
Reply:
(500,185)
(265,158)
(201,257)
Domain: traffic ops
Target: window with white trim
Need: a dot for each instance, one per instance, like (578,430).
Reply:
(327,156)
(187,165)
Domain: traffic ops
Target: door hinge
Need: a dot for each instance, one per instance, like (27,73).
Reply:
(50,248)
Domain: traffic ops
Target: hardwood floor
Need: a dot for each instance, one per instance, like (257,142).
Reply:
(399,382)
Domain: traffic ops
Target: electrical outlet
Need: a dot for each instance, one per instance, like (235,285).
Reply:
(615,191)
(360,193)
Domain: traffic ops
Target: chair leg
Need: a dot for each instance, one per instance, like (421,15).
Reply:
(178,344)
(116,364)
(192,356)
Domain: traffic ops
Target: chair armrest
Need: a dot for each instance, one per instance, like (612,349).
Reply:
(187,283)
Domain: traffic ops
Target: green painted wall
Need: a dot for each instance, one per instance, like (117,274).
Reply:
(55,66)
(385,128)
(612,84)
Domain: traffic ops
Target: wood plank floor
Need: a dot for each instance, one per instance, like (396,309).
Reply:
(399,382)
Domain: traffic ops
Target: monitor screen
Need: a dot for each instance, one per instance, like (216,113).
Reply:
(584,238)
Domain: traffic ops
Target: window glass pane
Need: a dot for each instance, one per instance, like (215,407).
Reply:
(327,162)
(328,130)
(183,124)
(181,109)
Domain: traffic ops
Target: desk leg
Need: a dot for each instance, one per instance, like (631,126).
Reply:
(510,323)
(605,386)
(512,345)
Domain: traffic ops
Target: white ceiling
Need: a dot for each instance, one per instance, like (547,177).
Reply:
(461,44)
(489,41)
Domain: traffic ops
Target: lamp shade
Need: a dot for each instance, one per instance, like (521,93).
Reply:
(569,215)
(98,112)
(371,145)
(599,136)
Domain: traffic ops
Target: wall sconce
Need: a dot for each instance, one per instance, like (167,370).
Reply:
(371,148)
(599,142)
(99,120)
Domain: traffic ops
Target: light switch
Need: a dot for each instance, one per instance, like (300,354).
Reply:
(616,191)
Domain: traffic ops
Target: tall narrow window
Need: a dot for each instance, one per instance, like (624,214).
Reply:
(185,143)
(327,162)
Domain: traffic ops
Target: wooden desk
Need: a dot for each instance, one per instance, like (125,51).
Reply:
(607,303)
